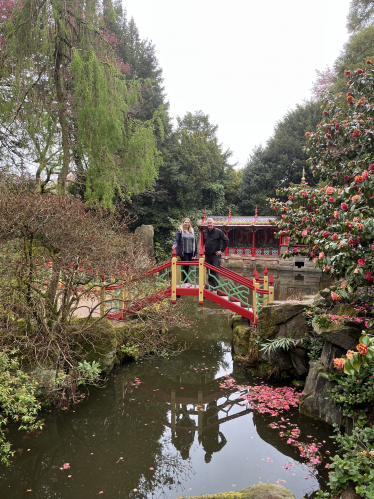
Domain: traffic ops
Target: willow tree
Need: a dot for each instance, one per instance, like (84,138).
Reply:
(66,93)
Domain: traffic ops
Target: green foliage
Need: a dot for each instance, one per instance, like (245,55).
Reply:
(361,15)
(335,223)
(17,401)
(70,99)
(354,463)
(271,346)
(130,351)
(354,394)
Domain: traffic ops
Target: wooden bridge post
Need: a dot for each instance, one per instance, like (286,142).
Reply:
(201,279)
(266,285)
(174,277)
(254,299)
(271,288)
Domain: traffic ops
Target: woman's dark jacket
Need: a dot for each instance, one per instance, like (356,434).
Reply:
(178,243)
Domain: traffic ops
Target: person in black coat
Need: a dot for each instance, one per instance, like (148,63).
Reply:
(185,244)
(215,242)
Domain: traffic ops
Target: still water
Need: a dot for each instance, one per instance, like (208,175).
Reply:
(165,428)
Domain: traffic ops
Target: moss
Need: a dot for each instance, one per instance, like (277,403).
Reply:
(223,495)
(258,491)
(298,383)
(267,322)
(99,342)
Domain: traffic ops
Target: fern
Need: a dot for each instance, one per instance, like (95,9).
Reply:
(270,346)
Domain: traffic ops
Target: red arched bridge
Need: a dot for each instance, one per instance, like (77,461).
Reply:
(237,293)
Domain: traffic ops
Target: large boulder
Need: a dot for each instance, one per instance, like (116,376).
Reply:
(281,319)
(146,234)
(345,334)
(315,402)
(258,491)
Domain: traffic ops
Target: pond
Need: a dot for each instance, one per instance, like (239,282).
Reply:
(165,428)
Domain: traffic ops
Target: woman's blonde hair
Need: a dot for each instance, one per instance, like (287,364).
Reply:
(190,230)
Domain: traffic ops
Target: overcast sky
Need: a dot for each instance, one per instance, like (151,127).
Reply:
(245,63)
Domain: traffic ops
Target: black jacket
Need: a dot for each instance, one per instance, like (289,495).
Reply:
(178,243)
(212,241)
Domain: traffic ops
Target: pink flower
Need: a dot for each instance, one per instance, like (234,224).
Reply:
(359,71)
(66,466)
(361,261)
(331,200)
(371,167)
(321,255)
(304,233)
(344,206)
(365,174)
(368,276)
(335,236)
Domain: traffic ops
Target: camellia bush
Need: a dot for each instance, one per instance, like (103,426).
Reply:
(333,223)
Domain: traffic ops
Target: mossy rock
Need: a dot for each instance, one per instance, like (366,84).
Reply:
(100,342)
(258,491)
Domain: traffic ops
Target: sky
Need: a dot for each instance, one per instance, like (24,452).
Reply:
(245,63)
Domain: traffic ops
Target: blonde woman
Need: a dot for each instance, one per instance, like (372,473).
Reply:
(185,244)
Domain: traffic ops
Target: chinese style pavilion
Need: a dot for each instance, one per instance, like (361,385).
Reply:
(250,236)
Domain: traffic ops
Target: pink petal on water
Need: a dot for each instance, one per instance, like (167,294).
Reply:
(151,469)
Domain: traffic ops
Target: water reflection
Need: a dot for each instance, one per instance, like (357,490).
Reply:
(163,428)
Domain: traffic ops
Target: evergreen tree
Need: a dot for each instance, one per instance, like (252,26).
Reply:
(280,162)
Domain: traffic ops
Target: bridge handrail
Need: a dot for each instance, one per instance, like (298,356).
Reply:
(231,275)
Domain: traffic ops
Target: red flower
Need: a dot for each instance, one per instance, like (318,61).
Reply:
(359,71)
(371,168)
(321,255)
(356,133)
(359,179)
(337,127)
(347,72)
(325,234)
(362,349)
(368,276)
(336,214)
(313,195)
(335,236)
(361,261)
(330,190)
(352,242)
(350,99)
(305,194)
(307,134)
(346,178)
(290,198)
(368,62)
(331,200)
(344,206)
(359,226)
(325,113)
(365,174)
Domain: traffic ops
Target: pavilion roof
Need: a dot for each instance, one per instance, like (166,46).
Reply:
(232,221)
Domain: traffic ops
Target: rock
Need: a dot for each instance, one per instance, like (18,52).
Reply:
(279,357)
(299,361)
(267,491)
(323,298)
(99,344)
(344,309)
(146,234)
(315,401)
(241,332)
(295,328)
(271,317)
(258,491)
(329,353)
(344,335)
(350,493)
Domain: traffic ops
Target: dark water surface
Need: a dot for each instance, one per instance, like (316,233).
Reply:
(174,432)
